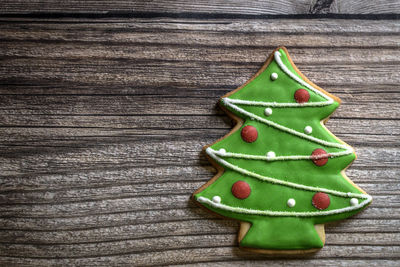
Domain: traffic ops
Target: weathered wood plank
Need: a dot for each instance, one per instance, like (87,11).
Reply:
(194,254)
(358,104)
(109,219)
(171,243)
(283,7)
(132,29)
(70,222)
(165,6)
(338,123)
(161,73)
(220,33)
(211,261)
(198,226)
(229,53)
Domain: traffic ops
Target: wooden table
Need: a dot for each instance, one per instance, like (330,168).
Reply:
(105,107)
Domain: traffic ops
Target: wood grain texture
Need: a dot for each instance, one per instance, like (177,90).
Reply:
(102,122)
(230,7)
(365,7)
(164,6)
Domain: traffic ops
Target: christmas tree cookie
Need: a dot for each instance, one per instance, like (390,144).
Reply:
(280,171)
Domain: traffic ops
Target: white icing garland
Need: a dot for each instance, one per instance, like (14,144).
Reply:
(272,157)
(282,213)
(348,150)
(212,154)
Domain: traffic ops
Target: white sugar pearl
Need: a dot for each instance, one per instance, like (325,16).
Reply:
(274,76)
(291,203)
(271,154)
(268,111)
(216,199)
(222,152)
(354,201)
(308,129)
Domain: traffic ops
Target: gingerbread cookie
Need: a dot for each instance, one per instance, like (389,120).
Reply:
(280,171)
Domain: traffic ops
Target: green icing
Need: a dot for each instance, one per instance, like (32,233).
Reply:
(280,232)
(306,235)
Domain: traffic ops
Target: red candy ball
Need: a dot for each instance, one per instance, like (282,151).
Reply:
(301,96)
(241,189)
(320,161)
(321,201)
(249,134)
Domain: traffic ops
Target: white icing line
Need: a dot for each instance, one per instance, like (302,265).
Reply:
(227,102)
(277,56)
(275,104)
(212,154)
(283,213)
(270,157)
